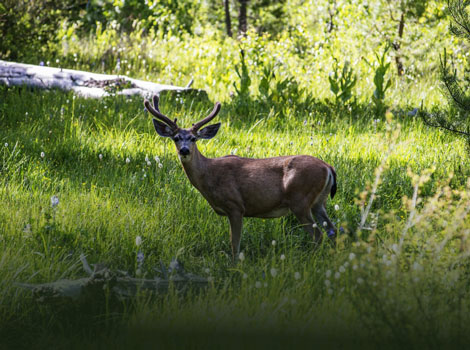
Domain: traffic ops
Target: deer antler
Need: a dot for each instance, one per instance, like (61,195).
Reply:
(207,119)
(155,111)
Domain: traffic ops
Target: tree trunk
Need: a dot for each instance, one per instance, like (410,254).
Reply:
(228,21)
(242,21)
(397,44)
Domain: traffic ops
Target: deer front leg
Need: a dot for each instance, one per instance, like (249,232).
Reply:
(236,223)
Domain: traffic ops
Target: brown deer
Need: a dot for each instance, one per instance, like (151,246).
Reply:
(264,188)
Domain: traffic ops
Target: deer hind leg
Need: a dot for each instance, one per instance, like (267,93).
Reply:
(320,214)
(305,217)
(236,223)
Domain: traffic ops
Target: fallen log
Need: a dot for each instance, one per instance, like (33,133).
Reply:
(117,283)
(85,84)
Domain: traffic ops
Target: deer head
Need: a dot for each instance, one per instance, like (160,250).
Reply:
(185,139)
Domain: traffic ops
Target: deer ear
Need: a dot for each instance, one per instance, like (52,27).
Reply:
(208,132)
(162,129)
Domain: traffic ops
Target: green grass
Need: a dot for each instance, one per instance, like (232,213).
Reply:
(399,280)
(106,203)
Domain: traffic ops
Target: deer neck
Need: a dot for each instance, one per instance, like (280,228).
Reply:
(196,169)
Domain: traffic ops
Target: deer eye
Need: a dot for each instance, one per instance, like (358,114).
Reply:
(192,139)
(176,138)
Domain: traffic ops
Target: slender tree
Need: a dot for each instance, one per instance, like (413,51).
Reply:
(228,21)
(242,19)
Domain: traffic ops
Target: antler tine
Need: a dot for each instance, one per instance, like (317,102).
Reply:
(207,119)
(155,111)
(156,99)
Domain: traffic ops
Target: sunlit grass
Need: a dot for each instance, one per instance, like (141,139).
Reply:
(106,202)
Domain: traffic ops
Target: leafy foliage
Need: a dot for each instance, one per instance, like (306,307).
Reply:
(342,82)
(381,83)
(457,119)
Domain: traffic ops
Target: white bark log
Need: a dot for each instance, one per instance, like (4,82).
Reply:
(17,74)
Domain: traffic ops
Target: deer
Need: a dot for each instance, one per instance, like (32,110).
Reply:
(238,187)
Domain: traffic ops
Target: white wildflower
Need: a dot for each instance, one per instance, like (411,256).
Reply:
(283,257)
(328,273)
(352,256)
(6,144)
(297,275)
(54,201)
(273,272)
(160,165)
(325,224)
(149,163)
(157,159)
(327,283)
(273,243)
(100,156)
(336,207)
(314,226)
(138,241)
(342,269)
(241,256)
(43,154)
(354,267)
(337,275)
(128,160)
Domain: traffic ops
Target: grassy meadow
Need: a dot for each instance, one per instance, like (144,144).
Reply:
(398,276)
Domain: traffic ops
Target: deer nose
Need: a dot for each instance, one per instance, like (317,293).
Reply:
(184,151)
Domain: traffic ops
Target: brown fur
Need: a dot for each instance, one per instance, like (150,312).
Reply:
(244,187)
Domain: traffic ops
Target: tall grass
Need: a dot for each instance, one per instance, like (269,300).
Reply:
(404,279)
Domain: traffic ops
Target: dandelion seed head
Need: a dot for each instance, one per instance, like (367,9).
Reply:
(6,144)
(273,272)
(352,256)
(325,224)
(297,275)
(43,154)
(128,160)
(342,269)
(336,207)
(283,257)
(138,241)
(273,243)
(328,273)
(241,256)
(337,275)
(100,156)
